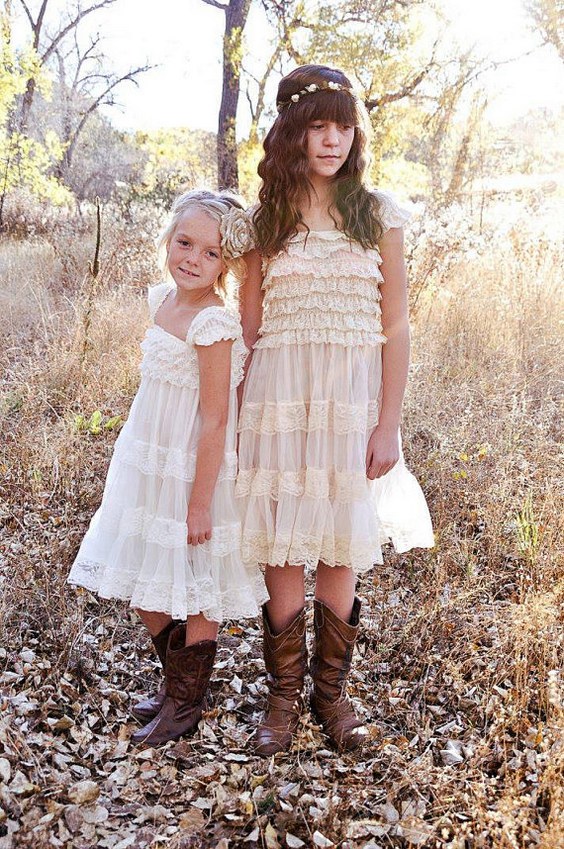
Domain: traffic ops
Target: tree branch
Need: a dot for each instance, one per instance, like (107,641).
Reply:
(217,5)
(72,24)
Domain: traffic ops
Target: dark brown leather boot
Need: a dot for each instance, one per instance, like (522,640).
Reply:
(148,708)
(285,658)
(187,675)
(330,665)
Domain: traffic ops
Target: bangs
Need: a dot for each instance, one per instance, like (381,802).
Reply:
(338,106)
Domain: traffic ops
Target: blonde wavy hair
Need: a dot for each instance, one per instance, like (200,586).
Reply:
(215,205)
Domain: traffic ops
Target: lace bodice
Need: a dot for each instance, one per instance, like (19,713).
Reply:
(324,287)
(172,360)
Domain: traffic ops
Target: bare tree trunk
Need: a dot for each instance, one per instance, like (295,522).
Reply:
(236,13)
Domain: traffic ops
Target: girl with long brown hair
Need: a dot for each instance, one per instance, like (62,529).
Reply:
(321,471)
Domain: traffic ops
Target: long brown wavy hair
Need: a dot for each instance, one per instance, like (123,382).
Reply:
(284,167)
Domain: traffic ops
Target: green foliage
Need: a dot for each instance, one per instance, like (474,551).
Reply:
(249,155)
(96,423)
(174,158)
(25,162)
(528,531)
(16,68)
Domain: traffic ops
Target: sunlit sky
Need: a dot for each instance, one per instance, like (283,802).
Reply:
(184,38)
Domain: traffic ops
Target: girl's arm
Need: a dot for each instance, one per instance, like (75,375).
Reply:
(383,446)
(250,305)
(214,363)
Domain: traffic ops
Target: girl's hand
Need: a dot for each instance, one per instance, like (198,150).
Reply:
(382,452)
(199,525)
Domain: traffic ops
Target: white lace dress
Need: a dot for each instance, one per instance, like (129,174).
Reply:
(136,546)
(311,401)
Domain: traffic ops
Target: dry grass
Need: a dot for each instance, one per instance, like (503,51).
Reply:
(461,656)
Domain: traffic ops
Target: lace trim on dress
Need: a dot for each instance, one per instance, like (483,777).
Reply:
(170,360)
(312,483)
(153,459)
(288,416)
(342,267)
(307,550)
(203,595)
(166,533)
(323,321)
(321,284)
(352,338)
(323,244)
(342,304)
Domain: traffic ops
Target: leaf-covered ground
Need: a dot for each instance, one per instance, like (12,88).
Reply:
(455,757)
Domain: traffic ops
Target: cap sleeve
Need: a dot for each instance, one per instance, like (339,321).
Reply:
(214,324)
(156,295)
(391,213)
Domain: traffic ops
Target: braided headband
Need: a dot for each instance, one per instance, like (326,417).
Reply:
(311,89)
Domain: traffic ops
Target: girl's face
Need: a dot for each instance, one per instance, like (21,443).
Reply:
(328,146)
(194,251)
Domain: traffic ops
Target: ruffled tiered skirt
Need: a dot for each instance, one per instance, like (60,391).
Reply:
(136,546)
(307,414)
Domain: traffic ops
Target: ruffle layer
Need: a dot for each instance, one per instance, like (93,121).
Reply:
(311,483)
(213,324)
(298,519)
(226,590)
(287,416)
(337,306)
(342,268)
(349,338)
(298,549)
(323,242)
(177,463)
(391,213)
(322,284)
(114,522)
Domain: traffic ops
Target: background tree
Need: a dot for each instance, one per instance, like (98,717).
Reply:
(236,13)
(45,45)
(548,16)
(83,85)
(24,161)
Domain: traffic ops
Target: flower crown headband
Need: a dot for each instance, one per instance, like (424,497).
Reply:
(311,89)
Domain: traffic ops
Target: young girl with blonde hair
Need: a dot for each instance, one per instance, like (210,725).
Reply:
(167,536)
(321,473)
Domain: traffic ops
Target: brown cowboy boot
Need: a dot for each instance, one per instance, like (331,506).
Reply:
(149,708)
(187,675)
(285,658)
(330,665)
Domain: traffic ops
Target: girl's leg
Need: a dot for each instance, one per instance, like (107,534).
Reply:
(335,587)
(287,595)
(198,629)
(153,621)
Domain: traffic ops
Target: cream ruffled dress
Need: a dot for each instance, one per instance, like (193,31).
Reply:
(136,546)
(311,401)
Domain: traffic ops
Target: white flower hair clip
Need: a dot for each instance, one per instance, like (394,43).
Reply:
(236,233)
(311,89)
